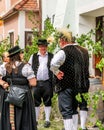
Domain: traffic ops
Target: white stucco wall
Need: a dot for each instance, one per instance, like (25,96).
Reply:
(60,13)
(86,23)
(70,16)
(79,14)
(68,12)
(64,11)
(89,5)
(48,9)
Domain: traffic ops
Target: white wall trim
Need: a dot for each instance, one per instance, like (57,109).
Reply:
(21,28)
(28,29)
(91,6)
(10,31)
(8,4)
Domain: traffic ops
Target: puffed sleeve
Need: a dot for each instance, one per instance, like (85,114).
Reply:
(2,70)
(28,72)
(30,60)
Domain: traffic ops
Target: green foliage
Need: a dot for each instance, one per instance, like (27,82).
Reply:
(4,45)
(92,99)
(48,31)
(78,97)
(100,65)
(100,125)
(96,48)
(17,41)
(55,110)
(86,40)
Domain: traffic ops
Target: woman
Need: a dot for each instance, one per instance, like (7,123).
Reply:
(22,55)
(5,57)
(22,75)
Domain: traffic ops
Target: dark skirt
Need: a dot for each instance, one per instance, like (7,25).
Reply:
(24,117)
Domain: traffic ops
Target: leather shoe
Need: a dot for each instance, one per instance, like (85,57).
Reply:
(47,124)
(36,122)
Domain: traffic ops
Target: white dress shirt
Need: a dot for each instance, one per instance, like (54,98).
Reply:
(57,61)
(42,72)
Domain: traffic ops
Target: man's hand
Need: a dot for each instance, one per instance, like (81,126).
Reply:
(60,75)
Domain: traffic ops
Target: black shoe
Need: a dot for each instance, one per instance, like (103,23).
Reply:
(36,122)
(63,128)
(95,126)
(47,124)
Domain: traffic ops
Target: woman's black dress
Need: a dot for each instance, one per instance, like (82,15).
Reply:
(24,117)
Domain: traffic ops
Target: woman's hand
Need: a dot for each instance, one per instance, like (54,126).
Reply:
(33,82)
(5,85)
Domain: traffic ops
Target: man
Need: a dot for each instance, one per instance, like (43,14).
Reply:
(41,65)
(83,104)
(68,66)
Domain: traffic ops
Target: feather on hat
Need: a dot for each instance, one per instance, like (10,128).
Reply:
(65,33)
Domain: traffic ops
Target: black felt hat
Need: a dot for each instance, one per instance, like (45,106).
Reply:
(42,42)
(14,50)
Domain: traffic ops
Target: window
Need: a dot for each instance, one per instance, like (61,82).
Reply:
(11,34)
(28,38)
(100,29)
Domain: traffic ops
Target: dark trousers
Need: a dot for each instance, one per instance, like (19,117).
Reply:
(43,92)
(67,103)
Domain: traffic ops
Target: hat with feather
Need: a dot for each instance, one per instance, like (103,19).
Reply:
(65,34)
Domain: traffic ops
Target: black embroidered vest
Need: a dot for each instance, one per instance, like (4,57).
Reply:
(16,78)
(72,68)
(35,64)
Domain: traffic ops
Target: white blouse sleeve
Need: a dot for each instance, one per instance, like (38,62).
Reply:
(28,72)
(2,70)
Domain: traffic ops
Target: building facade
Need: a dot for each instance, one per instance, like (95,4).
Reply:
(15,22)
(82,16)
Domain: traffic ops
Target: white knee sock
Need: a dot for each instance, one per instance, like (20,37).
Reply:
(83,118)
(68,124)
(47,113)
(37,110)
(75,121)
